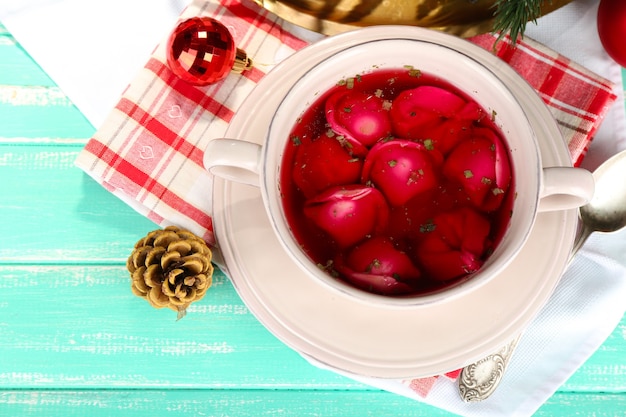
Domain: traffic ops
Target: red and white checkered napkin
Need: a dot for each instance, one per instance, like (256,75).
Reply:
(149,150)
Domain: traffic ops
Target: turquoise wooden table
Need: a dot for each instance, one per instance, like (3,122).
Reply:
(74,340)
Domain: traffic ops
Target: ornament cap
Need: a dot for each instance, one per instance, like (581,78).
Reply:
(242,62)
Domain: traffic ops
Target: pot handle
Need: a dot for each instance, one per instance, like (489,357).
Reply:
(565,188)
(234,160)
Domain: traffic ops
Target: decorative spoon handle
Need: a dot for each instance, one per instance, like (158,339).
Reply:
(480,379)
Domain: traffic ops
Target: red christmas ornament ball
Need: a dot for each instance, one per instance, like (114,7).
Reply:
(612,28)
(201,51)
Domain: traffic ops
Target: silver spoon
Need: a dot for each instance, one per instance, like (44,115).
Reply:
(606,212)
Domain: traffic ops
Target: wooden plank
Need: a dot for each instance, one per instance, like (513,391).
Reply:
(60,213)
(40,111)
(81,327)
(223,403)
(16,66)
(30,103)
(584,404)
(253,403)
(77,327)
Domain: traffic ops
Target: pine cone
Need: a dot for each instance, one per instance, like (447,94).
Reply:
(170,268)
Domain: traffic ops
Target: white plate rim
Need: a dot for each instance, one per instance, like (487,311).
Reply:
(538,257)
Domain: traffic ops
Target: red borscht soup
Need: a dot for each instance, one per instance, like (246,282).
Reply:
(396,182)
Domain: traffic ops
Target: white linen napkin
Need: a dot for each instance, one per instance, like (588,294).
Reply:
(593,288)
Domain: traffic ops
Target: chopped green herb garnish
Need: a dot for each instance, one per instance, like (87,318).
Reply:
(428,144)
(428,227)
(392,163)
(375,264)
(343,141)
(413,72)
(296,140)
(329,264)
(468,173)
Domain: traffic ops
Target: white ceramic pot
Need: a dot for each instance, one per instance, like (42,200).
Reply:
(370,334)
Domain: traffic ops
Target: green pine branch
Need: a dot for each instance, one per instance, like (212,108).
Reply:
(511,16)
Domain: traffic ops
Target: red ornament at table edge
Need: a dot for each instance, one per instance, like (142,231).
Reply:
(202,51)
(612,29)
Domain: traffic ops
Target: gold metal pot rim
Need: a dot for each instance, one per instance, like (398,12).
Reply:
(463,18)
